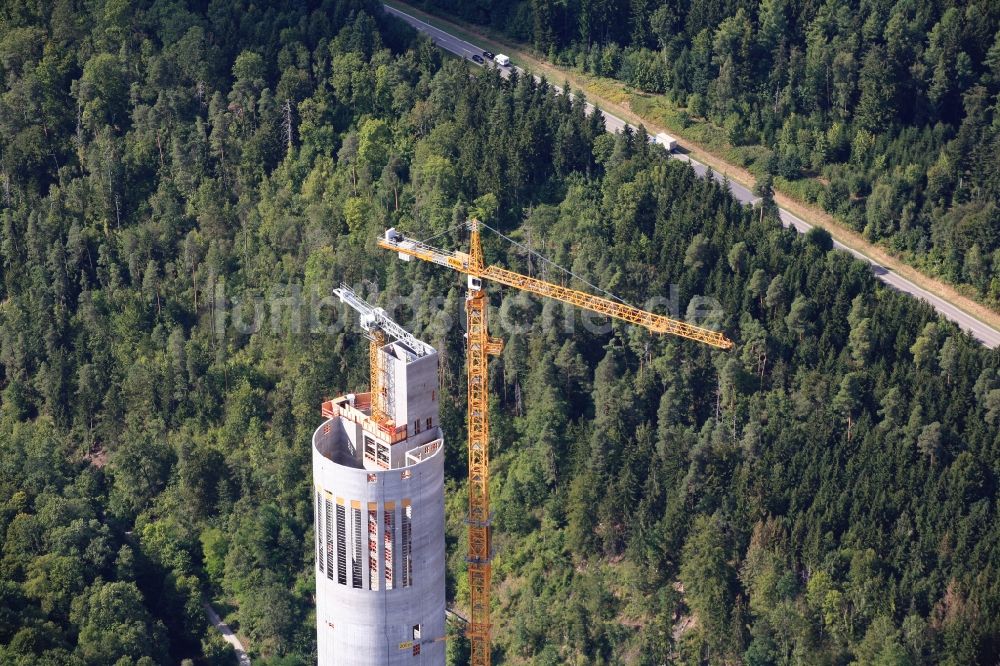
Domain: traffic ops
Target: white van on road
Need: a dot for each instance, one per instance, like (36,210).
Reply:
(665,140)
(501,60)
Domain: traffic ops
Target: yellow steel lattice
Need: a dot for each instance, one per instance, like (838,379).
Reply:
(479,347)
(377,375)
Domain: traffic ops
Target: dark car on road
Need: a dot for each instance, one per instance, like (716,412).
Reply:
(488,55)
(478,58)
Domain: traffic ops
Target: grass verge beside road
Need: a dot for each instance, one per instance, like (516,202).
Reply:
(700,140)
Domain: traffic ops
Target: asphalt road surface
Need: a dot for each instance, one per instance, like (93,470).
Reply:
(986,334)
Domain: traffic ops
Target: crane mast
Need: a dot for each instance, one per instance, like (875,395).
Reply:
(479,346)
(376,374)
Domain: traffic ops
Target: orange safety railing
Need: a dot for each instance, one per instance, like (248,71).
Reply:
(357,413)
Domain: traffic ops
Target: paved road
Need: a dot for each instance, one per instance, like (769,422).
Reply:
(241,654)
(983,332)
(980,330)
(612,123)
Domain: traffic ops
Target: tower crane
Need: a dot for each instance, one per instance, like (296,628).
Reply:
(479,345)
(377,324)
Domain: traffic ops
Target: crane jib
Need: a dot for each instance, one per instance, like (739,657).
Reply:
(459,261)
(654,322)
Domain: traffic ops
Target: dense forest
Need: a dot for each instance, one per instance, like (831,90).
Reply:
(184,183)
(881,112)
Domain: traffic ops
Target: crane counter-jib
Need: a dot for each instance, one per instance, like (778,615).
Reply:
(406,248)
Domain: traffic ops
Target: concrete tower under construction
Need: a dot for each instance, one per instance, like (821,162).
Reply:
(378,472)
